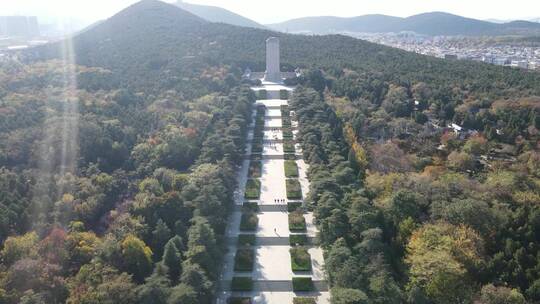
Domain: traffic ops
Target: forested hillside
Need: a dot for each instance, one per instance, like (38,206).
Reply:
(130,206)
(117,169)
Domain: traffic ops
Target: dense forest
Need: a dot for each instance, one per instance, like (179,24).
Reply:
(418,201)
(118,150)
(122,200)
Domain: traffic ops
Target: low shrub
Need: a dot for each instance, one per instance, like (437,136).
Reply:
(256,156)
(243,260)
(294,206)
(289,156)
(262,94)
(302,284)
(298,239)
(288,146)
(294,191)
(285,111)
(246,239)
(256,147)
(255,169)
(283,94)
(240,300)
(253,189)
(300,259)
(297,222)
(291,168)
(249,221)
(286,122)
(304,300)
(250,207)
(287,133)
(242,284)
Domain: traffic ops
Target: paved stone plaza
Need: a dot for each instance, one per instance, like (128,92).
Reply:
(271,274)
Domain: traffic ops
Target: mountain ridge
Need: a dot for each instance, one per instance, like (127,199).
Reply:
(153,41)
(432,23)
(217,14)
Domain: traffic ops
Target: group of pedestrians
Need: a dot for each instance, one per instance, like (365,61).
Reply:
(280,200)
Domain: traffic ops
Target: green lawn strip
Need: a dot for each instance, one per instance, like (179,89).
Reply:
(294,191)
(246,239)
(242,284)
(243,300)
(297,222)
(300,259)
(253,189)
(302,284)
(304,300)
(291,168)
(243,260)
(298,239)
(249,221)
(255,169)
(293,206)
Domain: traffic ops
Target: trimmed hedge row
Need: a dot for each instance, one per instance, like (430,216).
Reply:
(297,222)
(250,207)
(253,189)
(302,284)
(287,133)
(298,239)
(246,239)
(300,259)
(304,300)
(249,221)
(242,284)
(242,300)
(289,156)
(244,258)
(283,94)
(262,94)
(286,122)
(288,146)
(291,168)
(255,169)
(294,206)
(294,191)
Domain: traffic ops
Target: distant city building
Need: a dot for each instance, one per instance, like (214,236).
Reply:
(501,61)
(488,59)
(522,64)
(19,26)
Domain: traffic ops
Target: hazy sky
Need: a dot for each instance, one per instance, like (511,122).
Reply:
(279,10)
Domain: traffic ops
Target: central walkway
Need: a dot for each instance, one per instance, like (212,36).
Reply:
(261,265)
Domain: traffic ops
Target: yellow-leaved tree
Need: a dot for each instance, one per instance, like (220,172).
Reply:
(440,257)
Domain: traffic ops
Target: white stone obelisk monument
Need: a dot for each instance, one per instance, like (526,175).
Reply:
(273,73)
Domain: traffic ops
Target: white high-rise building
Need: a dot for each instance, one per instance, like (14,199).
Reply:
(273,73)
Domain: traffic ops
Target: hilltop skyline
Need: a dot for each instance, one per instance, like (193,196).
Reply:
(266,13)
